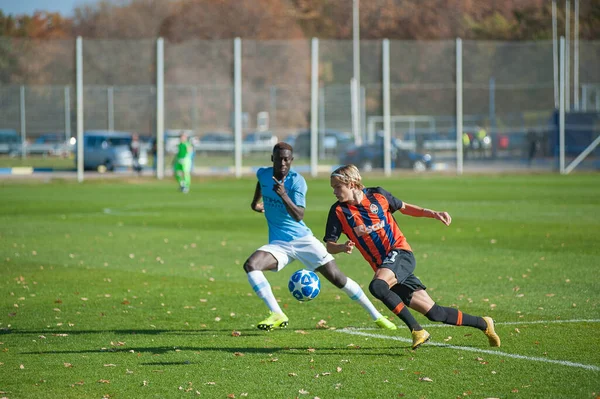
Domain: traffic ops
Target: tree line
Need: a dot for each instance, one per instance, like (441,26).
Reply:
(182,20)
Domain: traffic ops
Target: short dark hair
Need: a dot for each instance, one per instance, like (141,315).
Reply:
(282,146)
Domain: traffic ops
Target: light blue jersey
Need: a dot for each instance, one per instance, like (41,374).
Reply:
(282,226)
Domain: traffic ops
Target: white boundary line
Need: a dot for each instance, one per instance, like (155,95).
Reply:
(116,212)
(591,367)
(518,323)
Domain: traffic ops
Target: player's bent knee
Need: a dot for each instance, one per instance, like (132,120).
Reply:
(379,288)
(252,266)
(436,313)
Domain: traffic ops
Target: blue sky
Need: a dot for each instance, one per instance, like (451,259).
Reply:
(65,7)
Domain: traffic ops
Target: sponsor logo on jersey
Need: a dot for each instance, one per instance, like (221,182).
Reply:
(364,229)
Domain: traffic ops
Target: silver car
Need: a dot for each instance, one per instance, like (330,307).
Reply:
(109,150)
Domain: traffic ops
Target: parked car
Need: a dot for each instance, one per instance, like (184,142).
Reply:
(370,156)
(10,142)
(107,150)
(259,142)
(50,144)
(331,142)
(215,142)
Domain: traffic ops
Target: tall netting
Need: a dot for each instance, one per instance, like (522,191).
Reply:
(508,100)
(199,98)
(335,101)
(36,88)
(582,124)
(119,78)
(275,82)
(423,99)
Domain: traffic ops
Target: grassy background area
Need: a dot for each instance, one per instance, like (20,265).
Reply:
(130,289)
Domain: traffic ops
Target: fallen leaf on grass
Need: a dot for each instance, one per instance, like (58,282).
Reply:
(238,354)
(77,383)
(303,392)
(235,333)
(104,381)
(425,379)
(68,365)
(110,365)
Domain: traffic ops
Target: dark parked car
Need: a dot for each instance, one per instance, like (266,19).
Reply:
(10,142)
(331,142)
(107,150)
(215,142)
(259,142)
(370,156)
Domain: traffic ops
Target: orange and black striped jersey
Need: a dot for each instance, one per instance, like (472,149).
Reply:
(370,225)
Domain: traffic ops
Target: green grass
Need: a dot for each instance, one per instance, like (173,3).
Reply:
(130,289)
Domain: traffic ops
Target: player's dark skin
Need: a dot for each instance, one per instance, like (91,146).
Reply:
(260,260)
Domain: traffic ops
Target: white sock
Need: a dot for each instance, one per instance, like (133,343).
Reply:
(353,290)
(261,286)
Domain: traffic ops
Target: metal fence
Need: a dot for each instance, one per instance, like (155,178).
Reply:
(507,90)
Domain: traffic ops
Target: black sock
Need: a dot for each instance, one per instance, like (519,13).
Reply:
(455,317)
(392,301)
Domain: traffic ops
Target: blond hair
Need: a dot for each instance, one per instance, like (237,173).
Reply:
(349,175)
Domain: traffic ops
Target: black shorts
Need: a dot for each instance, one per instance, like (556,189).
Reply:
(403,264)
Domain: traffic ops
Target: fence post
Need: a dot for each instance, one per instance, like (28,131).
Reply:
(459,107)
(561,109)
(79,67)
(160,109)
(314,106)
(23,120)
(387,159)
(110,101)
(237,100)
(67,113)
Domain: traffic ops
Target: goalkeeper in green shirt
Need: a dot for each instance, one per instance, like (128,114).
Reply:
(182,164)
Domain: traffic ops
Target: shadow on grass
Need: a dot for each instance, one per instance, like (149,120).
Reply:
(248,332)
(127,331)
(313,351)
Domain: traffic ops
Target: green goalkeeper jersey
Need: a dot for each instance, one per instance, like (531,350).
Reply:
(184,151)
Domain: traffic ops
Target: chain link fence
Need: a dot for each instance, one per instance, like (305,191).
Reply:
(509,100)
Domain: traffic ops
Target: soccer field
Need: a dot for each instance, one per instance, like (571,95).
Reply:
(131,289)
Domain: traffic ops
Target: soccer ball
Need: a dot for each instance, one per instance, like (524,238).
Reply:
(304,285)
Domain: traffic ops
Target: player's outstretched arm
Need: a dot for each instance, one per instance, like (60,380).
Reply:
(417,211)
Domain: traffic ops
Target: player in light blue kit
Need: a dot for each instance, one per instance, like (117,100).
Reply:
(283,194)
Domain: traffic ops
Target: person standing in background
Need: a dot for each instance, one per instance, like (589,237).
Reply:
(134,147)
(182,163)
